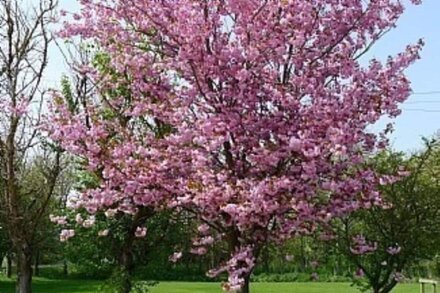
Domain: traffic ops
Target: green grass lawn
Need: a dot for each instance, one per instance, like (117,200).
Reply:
(170,287)
(75,286)
(54,286)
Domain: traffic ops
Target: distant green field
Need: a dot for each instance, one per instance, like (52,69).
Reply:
(78,286)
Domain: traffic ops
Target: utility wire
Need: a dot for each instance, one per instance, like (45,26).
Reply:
(421,110)
(422,102)
(425,93)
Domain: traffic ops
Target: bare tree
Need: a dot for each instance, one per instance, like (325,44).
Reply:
(24,43)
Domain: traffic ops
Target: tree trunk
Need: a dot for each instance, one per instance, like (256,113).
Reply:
(200,263)
(126,266)
(126,261)
(24,280)
(8,265)
(233,247)
(246,286)
(266,257)
(65,268)
(303,262)
(387,288)
(37,264)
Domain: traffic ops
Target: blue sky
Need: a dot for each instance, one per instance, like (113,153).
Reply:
(421,113)
(419,117)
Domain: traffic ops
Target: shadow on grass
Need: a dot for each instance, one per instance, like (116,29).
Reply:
(53,286)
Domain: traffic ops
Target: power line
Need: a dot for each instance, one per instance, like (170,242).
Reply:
(425,93)
(422,102)
(421,110)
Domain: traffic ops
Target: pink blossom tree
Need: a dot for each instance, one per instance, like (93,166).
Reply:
(268,106)
(119,144)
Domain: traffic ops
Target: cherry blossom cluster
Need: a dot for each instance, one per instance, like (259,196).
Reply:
(394,250)
(59,220)
(66,234)
(361,246)
(398,277)
(238,267)
(18,108)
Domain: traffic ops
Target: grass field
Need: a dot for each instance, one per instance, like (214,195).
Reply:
(75,286)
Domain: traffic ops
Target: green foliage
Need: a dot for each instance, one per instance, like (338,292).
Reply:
(411,222)
(66,90)
(297,277)
(115,284)
(5,243)
(85,179)
(90,256)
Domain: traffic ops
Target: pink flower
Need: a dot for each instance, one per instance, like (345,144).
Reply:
(110,213)
(175,256)
(203,229)
(295,144)
(140,232)
(393,250)
(362,246)
(208,240)
(89,222)
(399,277)
(79,219)
(103,233)
(199,250)
(59,220)
(359,273)
(66,235)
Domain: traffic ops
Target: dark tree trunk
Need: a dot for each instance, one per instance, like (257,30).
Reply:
(65,268)
(187,263)
(9,265)
(246,286)
(303,262)
(200,263)
(24,280)
(213,261)
(234,244)
(266,257)
(37,264)
(126,266)
(126,259)
(387,288)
